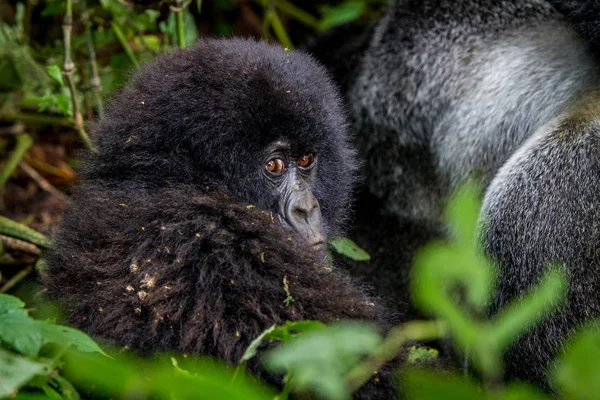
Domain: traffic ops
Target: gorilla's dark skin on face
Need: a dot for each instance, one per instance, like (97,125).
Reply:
(299,209)
(220,170)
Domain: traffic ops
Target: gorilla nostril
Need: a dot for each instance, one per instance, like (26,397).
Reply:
(304,212)
(300,213)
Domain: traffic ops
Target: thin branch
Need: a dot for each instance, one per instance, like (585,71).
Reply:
(42,183)
(86,90)
(14,229)
(266,26)
(36,118)
(95,84)
(24,142)
(299,14)
(123,40)
(10,243)
(69,73)
(178,9)
(280,31)
(16,279)
(415,331)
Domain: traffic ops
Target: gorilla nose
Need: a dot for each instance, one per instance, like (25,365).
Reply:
(304,215)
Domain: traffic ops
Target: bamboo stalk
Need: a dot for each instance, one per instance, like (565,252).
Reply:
(69,73)
(95,84)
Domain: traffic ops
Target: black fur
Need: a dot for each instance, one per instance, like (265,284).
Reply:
(171,243)
(584,15)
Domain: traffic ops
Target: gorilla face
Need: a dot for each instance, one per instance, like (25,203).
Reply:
(290,177)
(261,122)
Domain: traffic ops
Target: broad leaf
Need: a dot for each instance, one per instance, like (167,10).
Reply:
(16,371)
(320,359)
(55,72)
(348,248)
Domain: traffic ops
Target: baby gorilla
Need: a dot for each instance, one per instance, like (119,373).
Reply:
(203,217)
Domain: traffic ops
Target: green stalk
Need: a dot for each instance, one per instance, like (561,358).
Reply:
(35,118)
(9,227)
(24,142)
(298,14)
(69,73)
(280,32)
(95,84)
(266,25)
(398,336)
(125,44)
(179,22)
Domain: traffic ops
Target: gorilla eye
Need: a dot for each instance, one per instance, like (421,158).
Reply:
(275,166)
(306,160)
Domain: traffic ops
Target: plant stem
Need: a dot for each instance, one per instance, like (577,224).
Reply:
(125,44)
(280,32)
(36,118)
(69,73)
(298,14)
(95,84)
(16,279)
(266,26)
(10,243)
(12,228)
(178,9)
(41,181)
(24,142)
(387,351)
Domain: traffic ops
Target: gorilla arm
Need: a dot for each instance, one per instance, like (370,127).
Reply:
(554,180)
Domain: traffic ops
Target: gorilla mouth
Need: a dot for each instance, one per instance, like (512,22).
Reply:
(319,245)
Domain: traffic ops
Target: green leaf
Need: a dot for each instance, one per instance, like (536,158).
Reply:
(255,344)
(55,72)
(10,303)
(426,385)
(191,31)
(16,371)
(63,103)
(63,335)
(53,7)
(45,103)
(145,21)
(152,41)
(32,100)
(207,379)
(577,371)
(320,359)
(280,334)
(520,391)
(18,331)
(66,388)
(27,335)
(521,315)
(343,13)
(418,354)
(142,379)
(348,248)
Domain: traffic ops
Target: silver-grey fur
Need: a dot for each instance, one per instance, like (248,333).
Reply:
(501,91)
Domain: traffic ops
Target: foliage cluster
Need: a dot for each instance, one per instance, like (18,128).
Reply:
(41,360)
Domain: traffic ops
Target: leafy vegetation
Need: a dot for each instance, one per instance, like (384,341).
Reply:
(53,361)
(59,60)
